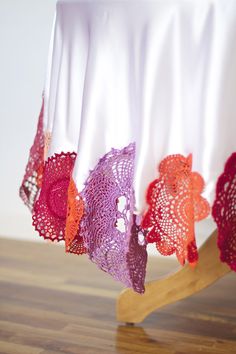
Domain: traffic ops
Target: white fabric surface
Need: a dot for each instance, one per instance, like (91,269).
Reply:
(159,73)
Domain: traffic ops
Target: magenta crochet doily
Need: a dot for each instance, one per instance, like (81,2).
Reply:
(224,212)
(32,180)
(50,209)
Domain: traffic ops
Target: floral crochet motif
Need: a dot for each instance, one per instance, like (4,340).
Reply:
(137,258)
(106,225)
(174,204)
(34,170)
(224,212)
(75,209)
(50,209)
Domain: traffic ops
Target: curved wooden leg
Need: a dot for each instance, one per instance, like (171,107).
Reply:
(133,307)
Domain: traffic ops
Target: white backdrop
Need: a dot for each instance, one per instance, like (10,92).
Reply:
(25,29)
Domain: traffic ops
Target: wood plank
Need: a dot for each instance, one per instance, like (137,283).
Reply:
(52,302)
(133,307)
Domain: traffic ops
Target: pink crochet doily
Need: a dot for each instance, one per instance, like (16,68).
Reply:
(32,180)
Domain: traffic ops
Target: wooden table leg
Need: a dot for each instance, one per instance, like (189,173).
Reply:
(133,307)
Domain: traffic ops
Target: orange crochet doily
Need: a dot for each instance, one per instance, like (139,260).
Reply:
(75,209)
(175,204)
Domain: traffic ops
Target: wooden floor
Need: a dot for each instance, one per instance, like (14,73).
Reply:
(52,302)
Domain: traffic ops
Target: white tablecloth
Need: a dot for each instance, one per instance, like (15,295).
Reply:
(161,74)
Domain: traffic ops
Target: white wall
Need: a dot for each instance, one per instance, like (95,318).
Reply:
(25,29)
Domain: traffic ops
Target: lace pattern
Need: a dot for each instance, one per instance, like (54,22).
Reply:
(106,226)
(174,204)
(224,212)
(137,257)
(50,209)
(32,180)
(75,209)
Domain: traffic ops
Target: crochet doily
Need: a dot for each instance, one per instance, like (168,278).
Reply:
(75,208)
(50,209)
(174,204)
(106,225)
(137,257)
(32,180)
(224,212)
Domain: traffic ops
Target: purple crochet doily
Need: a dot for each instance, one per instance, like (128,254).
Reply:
(108,229)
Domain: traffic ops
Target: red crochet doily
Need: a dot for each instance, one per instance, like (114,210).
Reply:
(50,210)
(174,204)
(224,212)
